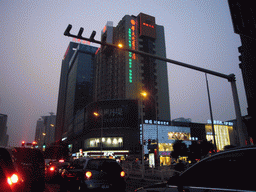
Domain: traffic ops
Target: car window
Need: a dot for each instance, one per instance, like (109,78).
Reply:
(27,155)
(93,164)
(77,164)
(230,170)
(111,166)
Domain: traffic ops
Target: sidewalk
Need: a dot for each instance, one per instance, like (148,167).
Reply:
(160,174)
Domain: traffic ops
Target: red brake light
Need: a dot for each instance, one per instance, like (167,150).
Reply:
(61,160)
(13,179)
(52,168)
(122,174)
(88,174)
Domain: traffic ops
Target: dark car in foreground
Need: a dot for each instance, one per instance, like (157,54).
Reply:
(231,170)
(31,166)
(93,174)
(10,178)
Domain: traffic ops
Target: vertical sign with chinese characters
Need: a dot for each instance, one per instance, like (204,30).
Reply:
(132,45)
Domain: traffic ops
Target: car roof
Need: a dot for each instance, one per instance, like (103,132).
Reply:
(235,149)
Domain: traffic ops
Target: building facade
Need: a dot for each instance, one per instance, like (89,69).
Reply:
(49,124)
(3,130)
(62,90)
(40,132)
(124,75)
(243,14)
(106,128)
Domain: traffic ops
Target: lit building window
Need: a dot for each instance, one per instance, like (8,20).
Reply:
(179,136)
(221,135)
(109,142)
(114,141)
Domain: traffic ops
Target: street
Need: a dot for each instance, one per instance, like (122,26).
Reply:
(132,184)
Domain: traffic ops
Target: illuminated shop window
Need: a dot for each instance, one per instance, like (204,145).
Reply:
(221,135)
(165,146)
(165,160)
(107,142)
(179,136)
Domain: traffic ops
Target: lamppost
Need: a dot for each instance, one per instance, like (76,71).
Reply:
(145,94)
(243,135)
(101,130)
(44,134)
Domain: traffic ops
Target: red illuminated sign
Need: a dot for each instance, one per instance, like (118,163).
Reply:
(147,25)
(81,41)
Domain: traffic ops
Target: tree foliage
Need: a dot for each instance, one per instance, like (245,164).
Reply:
(179,149)
(199,150)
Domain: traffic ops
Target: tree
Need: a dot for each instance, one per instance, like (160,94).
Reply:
(179,149)
(199,150)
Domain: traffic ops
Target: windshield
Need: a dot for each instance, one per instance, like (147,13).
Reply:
(27,155)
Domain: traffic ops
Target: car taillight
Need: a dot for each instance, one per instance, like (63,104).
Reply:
(88,174)
(122,174)
(52,168)
(13,179)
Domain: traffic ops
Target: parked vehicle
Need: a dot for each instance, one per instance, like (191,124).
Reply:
(231,170)
(31,166)
(90,173)
(10,178)
(53,168)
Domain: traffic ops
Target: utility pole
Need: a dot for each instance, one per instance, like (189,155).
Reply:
(242,134)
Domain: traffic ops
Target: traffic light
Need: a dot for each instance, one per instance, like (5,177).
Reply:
(144,142)
(149,141)
(23,143)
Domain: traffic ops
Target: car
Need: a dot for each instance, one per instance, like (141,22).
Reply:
(31,166)
(230,170)
(53,168)
(94,174)
(10,178)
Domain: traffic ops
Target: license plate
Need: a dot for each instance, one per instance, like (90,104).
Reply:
(105,186)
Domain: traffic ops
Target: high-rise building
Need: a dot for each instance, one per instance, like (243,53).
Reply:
(3,130)
(49,123)
(124,75)
(62,90)
(243,14)
(40,132)
(77,86)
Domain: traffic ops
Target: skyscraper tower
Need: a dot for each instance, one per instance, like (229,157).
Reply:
(124,75)
(76,85)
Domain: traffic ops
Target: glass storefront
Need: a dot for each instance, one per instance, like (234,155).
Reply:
(221,135)
(179,136)
(165,160)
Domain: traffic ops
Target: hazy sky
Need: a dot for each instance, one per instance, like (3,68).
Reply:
(32,46)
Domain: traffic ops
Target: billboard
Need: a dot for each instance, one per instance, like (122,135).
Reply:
(147,26)
(113,113)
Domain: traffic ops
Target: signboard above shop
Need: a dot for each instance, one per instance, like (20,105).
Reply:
(218,122)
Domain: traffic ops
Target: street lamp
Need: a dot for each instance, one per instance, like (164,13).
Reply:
(44,134)
(145,94)
(101,130)
(120,45)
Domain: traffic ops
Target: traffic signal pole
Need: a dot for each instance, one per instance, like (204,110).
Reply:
(241,133)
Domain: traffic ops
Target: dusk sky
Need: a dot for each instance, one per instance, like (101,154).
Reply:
(32,46)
